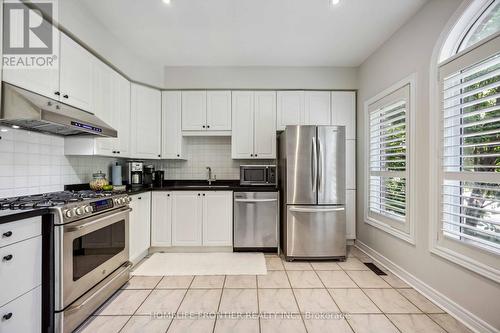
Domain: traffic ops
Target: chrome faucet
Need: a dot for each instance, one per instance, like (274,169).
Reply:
(210,179)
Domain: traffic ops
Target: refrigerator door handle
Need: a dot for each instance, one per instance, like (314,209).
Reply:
(314,164)
(317,210)
(321,162)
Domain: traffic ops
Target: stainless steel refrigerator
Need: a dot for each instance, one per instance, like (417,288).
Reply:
(312,186)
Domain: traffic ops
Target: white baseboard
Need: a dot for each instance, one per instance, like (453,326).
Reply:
(190,249)
(458,312)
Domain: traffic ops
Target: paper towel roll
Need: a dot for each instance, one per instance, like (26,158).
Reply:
(116,173)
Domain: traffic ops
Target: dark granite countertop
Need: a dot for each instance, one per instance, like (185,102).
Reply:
(7,216)
(191,185)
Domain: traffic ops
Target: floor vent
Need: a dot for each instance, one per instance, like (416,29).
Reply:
(374,268)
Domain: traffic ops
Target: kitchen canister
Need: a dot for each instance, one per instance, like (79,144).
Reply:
(116,174)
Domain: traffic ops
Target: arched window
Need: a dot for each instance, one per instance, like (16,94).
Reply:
(468,228)
(487,24)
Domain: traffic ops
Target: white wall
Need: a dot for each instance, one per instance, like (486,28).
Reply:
(77,19)
(260,77)
(408,51)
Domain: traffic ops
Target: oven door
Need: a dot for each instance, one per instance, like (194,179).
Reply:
(91,250)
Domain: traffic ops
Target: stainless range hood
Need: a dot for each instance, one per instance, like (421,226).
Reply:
(34,112)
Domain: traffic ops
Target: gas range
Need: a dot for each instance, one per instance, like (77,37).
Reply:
(69,206)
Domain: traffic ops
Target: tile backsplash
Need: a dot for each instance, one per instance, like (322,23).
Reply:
(32,163)
(201,152)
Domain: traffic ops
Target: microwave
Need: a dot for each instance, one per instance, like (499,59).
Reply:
(258,175)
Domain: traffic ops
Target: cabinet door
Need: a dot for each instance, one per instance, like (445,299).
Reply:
(350,164)
(26,313)
(102,104)
(243,124)
(41,81)
(122,114)
(350,207)
(265,125)
(161,219)
(317,108)
(75,74)
(186,218)
(290,108)
(140,226)
(145,122)
(171,143)
(194,110)
(218,218)
(219,110)
(344,112)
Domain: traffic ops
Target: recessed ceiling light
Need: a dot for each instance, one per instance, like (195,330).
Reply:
(334,2)
(4,130)
(15,127)
(167,2)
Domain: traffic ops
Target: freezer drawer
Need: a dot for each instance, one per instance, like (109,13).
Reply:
(255,220)
(314,232)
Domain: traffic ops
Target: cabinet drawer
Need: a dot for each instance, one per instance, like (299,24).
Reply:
(17,231)
(24,314)
(20,268)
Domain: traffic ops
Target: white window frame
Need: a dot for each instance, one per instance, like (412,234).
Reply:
(473,258)
(407,229)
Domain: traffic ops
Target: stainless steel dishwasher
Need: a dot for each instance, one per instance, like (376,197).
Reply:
(255,221)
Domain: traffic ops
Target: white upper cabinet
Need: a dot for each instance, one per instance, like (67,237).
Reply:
(145,122)
(242,138)
(217,218)
(254,125)
(172,142)
(290,108)
(194,110)
(111,103)
(265,125)
(317,108)
(41,81)
(344,111)
(219,110)
(206,111)
(75,83)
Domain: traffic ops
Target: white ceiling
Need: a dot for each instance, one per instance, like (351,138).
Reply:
(253,32)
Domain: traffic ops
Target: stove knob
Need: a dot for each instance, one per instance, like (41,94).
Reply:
(121,201)
(79,211)
(117,201)
(127,200)
(88,209)
(68,213)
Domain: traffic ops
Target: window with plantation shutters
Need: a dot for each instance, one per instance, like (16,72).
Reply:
(470,151)
(388,128)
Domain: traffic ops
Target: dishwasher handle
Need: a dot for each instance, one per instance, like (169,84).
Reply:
(255,200)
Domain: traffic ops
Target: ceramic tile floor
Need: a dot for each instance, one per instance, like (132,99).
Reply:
(292,297)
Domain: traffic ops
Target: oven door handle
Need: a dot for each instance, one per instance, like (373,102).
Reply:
(124,269)
(89,224)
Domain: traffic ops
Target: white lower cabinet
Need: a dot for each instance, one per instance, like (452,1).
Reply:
(200,218)
(23,314)
(217,218)
(350,207)
(186,218)
(161,219)
(139,226)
